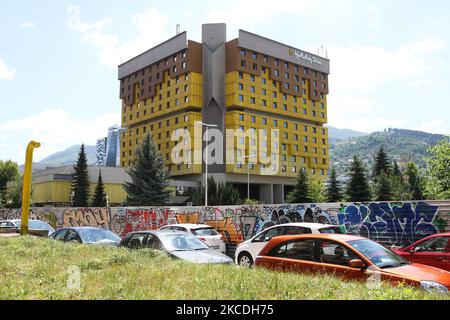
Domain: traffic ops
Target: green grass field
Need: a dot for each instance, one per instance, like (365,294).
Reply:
(33,268)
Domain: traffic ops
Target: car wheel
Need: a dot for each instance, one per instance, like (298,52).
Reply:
(245,260)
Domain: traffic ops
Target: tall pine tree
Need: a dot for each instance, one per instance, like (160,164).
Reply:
(415,185)
(149,177)
(383,188)
(358,187)
(99,199)
(301,192)
(381,164)
(334,193)
(80,181)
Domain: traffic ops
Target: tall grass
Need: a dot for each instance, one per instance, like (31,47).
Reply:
(34,268)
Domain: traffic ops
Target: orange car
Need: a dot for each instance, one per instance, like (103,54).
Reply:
(351,257)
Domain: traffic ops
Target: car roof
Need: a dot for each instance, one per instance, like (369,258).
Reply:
(189,225)
(157,232)
(83,228)
(325,236)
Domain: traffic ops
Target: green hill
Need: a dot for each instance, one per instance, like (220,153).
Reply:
(400,144)
(69,156)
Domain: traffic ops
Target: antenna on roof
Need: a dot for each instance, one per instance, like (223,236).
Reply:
(178,29)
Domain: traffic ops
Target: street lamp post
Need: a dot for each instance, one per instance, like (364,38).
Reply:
(248,174)
(206,159)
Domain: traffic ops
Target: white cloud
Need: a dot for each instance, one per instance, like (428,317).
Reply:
(151,26)
(6,72)
(27,25)
(373,18)
(56,129)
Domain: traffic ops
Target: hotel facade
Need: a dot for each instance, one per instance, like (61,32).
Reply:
(273,97)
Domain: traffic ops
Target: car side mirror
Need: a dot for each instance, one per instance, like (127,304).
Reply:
(356,264)
(266,239)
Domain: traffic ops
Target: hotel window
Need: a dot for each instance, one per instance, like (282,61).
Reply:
(304,101)
(294,169)
(241,128)
(322,106)
(305,71)
(186,99)
(183,65)
(266,59)
(263,80)
(283,168)
(286,135)
(305,149)
(276,73)
(275,105)
(277,62)
(275,123)
(285,124)
(186,77)
(174,69)
(295,137)
(296,78)
(323,141)
(314,113)
(186,118)
(241,86)
(295,109)
(263,70)
(274,84)
(275,145)
(243,63)
(264,121)
(313,103)
(313,171)
(296,68)
(303,160)
(255,67)
(241,75)
(322,172)
(293,159)
(286,75)
(252,100)
(183,54)
(241,117)
(283,147)
(304,91)
(241,97)
(274,94)
(286,65)
(322,115)
(252,78)
(297,89)
(324,161)
(242,52)
(305,139)
(285,107)
(295,147)
(239,165)
(315,150)
(264,133)
(252,89)
(286,86)
(263,92)
(315,83)
(305,112)
(315,74)
(253,119)
(254,56)
(264,103)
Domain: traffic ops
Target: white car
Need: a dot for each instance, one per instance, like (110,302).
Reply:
(206,233)
(247,251)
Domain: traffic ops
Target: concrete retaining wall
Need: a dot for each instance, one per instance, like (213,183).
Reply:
(390,223)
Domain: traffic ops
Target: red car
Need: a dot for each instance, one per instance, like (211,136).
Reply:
(433,251)
(350,257)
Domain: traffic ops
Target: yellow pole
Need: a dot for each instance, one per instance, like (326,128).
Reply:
(27,186)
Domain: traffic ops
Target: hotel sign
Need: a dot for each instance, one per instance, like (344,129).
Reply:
(300,55)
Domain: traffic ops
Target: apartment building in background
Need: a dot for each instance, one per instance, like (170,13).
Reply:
(248,84)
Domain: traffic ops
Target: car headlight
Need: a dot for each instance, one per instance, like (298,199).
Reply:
(431,286)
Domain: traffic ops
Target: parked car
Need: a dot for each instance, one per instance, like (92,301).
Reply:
(247,251)
(86,235)
(204,232)
(350,257)
(33,225)
(177,244)
(433,251)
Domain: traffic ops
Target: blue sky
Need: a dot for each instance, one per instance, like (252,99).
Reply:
(390,60)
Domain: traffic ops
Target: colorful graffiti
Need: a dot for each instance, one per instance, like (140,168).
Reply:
(392,224)
(388,223)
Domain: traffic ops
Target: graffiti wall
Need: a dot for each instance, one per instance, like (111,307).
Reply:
(391,223)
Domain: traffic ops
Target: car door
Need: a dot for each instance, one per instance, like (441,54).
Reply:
(433,252)
(72,236)
(293,256)
(334,258)
(137,241)
(260,241)
(60,234)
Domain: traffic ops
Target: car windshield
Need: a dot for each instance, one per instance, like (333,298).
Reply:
(334,230)
(205,232)
(37,225)
(182,242)
(97,235)
(377,254)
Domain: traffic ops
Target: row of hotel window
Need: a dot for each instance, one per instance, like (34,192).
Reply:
(243,53)
(276,73)
(286,86)
(275,94)
(142,83)
(158,65)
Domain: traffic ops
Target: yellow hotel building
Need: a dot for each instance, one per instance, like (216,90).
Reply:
(248,85)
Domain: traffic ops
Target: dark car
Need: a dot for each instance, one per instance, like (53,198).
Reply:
(179,245)
(37,227)
(86,235)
